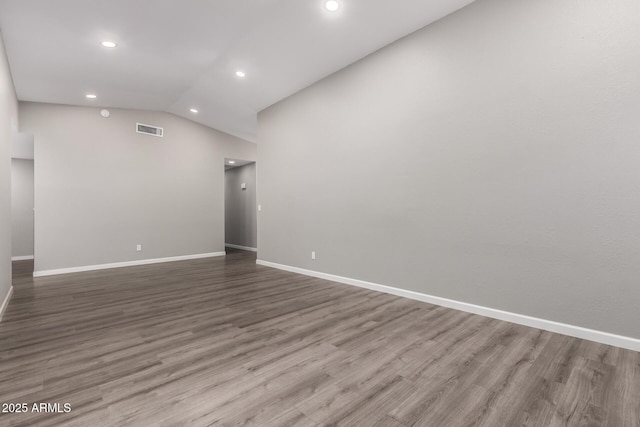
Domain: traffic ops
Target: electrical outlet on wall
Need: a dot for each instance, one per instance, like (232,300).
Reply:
(313,254)
(138,248)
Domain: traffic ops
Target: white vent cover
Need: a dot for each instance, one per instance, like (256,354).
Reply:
(149,130)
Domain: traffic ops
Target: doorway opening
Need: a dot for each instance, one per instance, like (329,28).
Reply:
(240,213)
(22,204)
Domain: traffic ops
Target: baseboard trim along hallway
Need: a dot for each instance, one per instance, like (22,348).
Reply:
(244,248)
(5,303)
(42,273)
(21,258)
(520,319)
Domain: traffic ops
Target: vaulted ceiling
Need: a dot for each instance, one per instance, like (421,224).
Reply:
(178,55)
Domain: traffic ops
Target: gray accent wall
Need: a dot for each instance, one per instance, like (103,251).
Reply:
(490,158)
(101,188)
(240,206)
(22,207)
(8,131)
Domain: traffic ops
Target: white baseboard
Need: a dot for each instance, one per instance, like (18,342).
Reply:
(21,258)
(244,248)
(123,264)
(534,322)
(5,303)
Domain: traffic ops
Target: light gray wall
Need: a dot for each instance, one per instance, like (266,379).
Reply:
(240,206)
(22,207)
(490,158)
(8,130)
(101,188)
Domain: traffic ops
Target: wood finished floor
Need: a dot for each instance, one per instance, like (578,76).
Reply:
(223,341)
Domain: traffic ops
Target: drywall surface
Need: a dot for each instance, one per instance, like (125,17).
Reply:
(22,207)
(240,206)
(101,188)
(490,158)
(8,131)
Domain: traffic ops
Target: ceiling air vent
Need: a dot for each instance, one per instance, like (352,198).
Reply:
(149,130)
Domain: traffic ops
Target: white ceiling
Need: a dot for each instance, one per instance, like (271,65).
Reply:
(236,163)
(174,55)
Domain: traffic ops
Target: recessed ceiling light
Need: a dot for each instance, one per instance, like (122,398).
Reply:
(91,96)
(108,43)
(193,110)
(240,73)
(231,162)
(332,5)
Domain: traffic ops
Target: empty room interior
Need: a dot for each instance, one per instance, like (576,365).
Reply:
(320,213)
